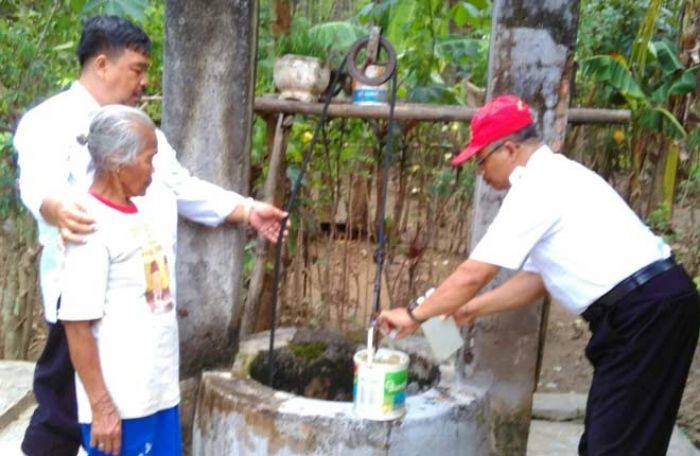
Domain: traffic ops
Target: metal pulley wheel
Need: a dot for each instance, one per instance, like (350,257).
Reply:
(358,73)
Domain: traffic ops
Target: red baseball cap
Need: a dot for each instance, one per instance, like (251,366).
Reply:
(498,118)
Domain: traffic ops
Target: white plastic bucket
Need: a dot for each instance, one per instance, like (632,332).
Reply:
(379,389)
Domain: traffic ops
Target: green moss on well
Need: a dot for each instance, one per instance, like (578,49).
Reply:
(308,351)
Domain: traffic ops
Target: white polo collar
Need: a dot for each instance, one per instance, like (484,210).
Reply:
(519,171)
(84,97)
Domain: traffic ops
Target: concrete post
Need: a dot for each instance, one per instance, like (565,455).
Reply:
(531,55)
(210,49)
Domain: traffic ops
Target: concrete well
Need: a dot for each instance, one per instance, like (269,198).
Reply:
(237,415)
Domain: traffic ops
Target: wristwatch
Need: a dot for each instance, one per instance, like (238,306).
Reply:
(417,302)
(411,307)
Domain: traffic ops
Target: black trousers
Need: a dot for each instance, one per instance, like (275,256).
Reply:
(641,349)
(53,429)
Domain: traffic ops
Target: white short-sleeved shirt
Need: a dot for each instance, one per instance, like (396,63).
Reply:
(123,280)
(563,221)
(53,164)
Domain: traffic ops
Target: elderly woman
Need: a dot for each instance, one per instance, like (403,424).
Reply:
(117,303)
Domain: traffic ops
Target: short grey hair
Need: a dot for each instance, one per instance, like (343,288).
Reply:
(113,141)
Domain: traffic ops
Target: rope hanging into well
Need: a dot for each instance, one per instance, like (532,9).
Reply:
(390,73)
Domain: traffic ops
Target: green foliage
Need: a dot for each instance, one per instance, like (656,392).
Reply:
(7,176)
(338,36)
(647,97)
(36,55)
(37,60)
(328,41)
(647,29)
(661,120)
(615,72)
(300,41)
(467,55)
(666,55)
(432,58)
(308,351)
(154,25)
(611,26)
(659,220)
(471,14)
(267,52)
(681,85)
(136,9)
(693,142)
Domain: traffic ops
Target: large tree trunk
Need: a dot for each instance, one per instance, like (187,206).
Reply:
(531,55)
(210,49)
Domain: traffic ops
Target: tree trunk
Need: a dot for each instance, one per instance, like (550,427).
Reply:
(261,277)
(18,285)
(531,55)
(283,19)
(210,49)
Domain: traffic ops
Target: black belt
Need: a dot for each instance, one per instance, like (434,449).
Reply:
(637,279)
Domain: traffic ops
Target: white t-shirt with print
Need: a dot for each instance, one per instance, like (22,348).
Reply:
(121,279)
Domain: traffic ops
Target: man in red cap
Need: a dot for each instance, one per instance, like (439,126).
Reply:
(570,234)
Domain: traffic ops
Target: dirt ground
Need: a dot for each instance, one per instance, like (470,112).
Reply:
(566,369)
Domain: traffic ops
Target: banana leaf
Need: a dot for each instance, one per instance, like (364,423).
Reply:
(686,83)
(662,121)
(607,69)
(667,57)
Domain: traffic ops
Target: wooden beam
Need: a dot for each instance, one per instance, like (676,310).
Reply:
(268,104)
(599,116)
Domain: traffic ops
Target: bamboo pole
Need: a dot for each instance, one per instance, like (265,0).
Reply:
(269,104)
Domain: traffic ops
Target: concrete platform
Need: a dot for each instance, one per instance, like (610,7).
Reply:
(11,435)
(549,438)
(558,406)
(16,404)
(557,427)
(15,389)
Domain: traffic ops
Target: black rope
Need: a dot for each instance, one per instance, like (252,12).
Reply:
(381,234)
(290,206)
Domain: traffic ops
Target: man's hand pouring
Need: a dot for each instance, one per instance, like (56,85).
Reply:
(398,320)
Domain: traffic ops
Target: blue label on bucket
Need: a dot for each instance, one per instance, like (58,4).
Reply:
(369,95)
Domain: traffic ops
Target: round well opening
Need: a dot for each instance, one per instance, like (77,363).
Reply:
(319,365)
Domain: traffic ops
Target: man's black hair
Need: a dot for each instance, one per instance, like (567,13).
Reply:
(105,34)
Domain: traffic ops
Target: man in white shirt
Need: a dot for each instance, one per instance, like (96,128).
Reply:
(573,236)
(114,58)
